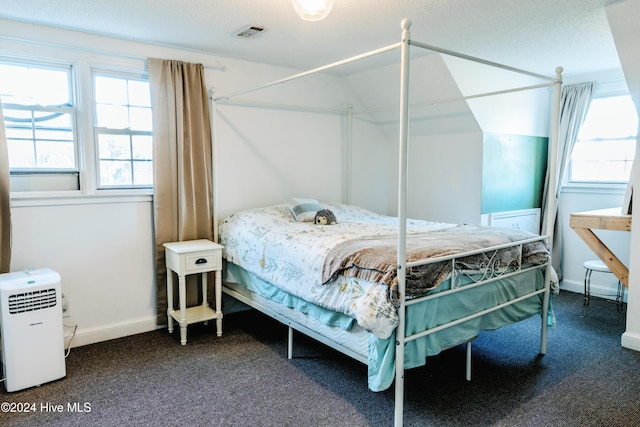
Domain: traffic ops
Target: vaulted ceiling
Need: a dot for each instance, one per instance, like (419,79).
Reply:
(533,34)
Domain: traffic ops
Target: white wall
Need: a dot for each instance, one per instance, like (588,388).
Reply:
(262,159)
(369,176)
(444,141)
(509,113)
(267,155)
(445,132)
(576,252)
(103,250)
(623,20)
(444,178)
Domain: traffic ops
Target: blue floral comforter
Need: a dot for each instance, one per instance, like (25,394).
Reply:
(270,244)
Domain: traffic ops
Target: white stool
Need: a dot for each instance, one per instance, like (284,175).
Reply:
(599,266)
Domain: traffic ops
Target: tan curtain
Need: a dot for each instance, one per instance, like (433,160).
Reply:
(182,196)
(5,202)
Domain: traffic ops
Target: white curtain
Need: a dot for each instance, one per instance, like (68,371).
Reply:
(5,202)
(574,103)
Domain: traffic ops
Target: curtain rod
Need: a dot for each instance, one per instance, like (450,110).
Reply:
(98,52)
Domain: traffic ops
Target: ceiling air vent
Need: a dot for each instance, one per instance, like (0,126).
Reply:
(250,32)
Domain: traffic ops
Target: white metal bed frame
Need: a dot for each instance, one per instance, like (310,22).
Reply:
(492,275)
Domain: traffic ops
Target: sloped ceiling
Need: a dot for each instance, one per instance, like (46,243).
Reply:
(624,23)
(533,34)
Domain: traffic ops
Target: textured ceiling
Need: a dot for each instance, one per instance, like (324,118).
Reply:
(533,34)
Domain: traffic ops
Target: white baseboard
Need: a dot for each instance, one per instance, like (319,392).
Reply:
(148,324)
(598,290)
(631,341)
(109,332)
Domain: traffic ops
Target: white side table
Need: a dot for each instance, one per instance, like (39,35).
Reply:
(192,257)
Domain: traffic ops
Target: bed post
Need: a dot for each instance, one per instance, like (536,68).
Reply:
(290,343)
(214,168)
(402,219)
(551,204)
(349,152)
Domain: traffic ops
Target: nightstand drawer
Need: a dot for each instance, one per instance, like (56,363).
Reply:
(209,261)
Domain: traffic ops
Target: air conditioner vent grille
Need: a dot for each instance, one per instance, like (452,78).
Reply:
(32,301)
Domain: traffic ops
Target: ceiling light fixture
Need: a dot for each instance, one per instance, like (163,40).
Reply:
(312,10)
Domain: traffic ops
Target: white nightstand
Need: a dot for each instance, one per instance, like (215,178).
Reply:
(192,257)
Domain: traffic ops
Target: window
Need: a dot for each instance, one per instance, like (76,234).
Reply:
(606,144)
(123,131)
(40,116)
(77,124)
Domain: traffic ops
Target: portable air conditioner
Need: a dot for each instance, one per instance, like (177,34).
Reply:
(31,328)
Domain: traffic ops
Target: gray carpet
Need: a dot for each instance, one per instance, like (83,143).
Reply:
(245,379)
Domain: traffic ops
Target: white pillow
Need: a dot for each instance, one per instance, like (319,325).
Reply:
(303,210)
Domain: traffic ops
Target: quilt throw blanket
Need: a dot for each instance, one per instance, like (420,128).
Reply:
(375,258)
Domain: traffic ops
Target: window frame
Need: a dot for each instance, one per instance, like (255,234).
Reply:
(47,179)
(100,130)
(604,89)
(82,60)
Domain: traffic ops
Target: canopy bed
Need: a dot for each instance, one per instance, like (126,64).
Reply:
(381,289)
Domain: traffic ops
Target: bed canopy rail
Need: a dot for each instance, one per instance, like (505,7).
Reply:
(228,98)
(312,71)
(475,59)
(457,99)
(404,108)
(284,107)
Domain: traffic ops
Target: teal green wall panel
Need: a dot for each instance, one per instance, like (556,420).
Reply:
(513,170)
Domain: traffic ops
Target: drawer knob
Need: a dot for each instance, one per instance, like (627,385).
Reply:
(201,261)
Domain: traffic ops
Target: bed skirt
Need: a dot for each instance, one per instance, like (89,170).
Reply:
(377,353)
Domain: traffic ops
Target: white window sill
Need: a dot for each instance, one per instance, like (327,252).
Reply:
(594,188)
(56,198)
